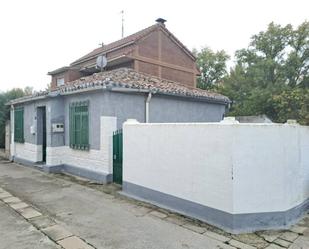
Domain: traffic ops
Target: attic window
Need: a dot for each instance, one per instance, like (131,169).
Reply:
(60,81)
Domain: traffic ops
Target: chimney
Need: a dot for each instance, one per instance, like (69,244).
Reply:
(161,21)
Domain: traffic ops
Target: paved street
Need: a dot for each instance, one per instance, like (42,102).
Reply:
(40,210)
(16,232)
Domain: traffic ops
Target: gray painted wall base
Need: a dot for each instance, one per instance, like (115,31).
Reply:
(53,169)
(89,174)
(86,173)
(27,163)
(234,223)
(23,161)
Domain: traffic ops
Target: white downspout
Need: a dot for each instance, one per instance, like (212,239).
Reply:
(147,107)
(128,90)
(12,143)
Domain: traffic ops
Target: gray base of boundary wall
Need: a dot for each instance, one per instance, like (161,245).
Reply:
(234,223)
(86,173)
(64,168)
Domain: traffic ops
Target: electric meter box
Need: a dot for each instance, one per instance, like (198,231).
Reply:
(32,129)
(58,127)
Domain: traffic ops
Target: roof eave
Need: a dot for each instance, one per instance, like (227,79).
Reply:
(77,62)
(24,100)
(213,100)
(58,70)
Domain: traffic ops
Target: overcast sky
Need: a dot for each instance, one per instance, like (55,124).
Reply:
(38,36)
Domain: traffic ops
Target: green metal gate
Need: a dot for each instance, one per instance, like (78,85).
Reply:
(117,156)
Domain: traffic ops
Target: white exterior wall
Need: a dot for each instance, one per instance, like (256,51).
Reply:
(7,138)
(95,160)
(236,168)
(176,159)
(270,164)
(28,152)
(304,160)
(12,146)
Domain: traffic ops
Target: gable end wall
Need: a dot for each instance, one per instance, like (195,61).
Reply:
(157,54)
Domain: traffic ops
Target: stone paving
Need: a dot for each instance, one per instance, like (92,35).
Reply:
(297,237)
(17,233)
(55,232)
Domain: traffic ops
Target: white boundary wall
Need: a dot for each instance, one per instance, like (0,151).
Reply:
(232,167)
(270,167)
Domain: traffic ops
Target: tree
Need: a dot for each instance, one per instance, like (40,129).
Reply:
(212,66)
(28,90)
(292,104)
(279,55)
(297,63)
(271,76)
(263,60)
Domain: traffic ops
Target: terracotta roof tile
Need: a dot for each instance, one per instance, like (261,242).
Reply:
(123,41)
(128,40)
(128,78)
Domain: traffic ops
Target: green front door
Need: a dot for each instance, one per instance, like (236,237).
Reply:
(117,156)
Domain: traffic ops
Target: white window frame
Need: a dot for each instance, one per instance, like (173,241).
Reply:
(60,81)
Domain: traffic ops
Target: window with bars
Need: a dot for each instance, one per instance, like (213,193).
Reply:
(19,125)
(79,125)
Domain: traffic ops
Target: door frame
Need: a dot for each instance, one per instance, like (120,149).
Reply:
(41,131)
(117,156)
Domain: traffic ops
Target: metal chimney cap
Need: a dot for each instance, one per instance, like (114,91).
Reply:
(161,20)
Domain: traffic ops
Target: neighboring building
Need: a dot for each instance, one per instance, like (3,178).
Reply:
(70,127)
(254,119)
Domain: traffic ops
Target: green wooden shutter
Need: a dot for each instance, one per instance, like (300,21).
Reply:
(84,130)
(19,125)
(71,126)
(79,125)
(77,130)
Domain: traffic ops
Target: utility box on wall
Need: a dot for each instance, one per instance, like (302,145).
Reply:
(57,127)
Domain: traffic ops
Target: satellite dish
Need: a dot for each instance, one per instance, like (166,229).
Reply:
(101,62)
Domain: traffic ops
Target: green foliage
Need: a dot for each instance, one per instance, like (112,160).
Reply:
(5,97)
(279,55)
(292,104)
(271,76)
(212,66)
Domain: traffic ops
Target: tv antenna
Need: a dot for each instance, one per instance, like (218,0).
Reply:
(101,62)
(122,23)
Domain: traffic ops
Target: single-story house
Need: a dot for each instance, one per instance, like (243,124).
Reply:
(70,127)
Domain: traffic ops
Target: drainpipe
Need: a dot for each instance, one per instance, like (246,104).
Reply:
(12,124)
(147,107)
(130,90)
